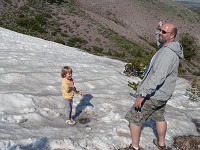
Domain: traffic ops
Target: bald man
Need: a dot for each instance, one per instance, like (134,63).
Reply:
(156,88)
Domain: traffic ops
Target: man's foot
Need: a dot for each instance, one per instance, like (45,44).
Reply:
(130,147)
(155,141)
(70,122)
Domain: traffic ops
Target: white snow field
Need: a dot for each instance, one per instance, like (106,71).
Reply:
(32,115)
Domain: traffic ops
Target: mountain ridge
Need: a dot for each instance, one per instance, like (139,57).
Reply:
(122,30)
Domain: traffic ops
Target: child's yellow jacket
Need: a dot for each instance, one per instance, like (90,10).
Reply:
(68,89)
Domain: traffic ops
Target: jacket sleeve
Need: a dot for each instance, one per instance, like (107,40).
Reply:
(162,67)
(76,90)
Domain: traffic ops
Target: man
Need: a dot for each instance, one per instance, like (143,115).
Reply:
(156,88)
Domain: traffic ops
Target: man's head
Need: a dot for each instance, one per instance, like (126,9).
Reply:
(167,33)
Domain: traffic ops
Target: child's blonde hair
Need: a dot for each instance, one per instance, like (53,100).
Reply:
(65,70)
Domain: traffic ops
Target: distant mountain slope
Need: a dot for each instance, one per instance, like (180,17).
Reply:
(141,16)
(119,29)
(188,1)
(192,5)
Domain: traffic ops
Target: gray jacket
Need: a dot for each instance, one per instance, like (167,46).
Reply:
(160,79)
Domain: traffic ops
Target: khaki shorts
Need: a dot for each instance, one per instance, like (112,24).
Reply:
(151,109)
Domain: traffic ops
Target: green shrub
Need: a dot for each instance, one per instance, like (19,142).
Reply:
(1,23)
(59,41)
(53,33)
(38,28)
(133,85)
(8,1)
(130,48)
(180,71)
(55,1)
(139,63)
(75,40)
(153,44)
(119,54)
(189,46)
(24,8)
(138,53)
(196,73)
(42,18)
(25,22)
(33,2)
(97,49)
(109,53)
(87,49)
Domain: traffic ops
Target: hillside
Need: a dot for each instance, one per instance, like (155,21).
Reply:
(192,5)
(122,30)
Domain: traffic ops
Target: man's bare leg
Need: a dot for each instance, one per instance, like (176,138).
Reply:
(161,127)
(135,134)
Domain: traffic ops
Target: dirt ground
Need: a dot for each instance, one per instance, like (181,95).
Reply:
(188,142)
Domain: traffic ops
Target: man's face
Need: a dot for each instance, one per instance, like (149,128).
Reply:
(165,34)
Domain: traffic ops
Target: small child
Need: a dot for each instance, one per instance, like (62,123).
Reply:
(68,90)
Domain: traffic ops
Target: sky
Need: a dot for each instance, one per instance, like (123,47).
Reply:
(195,1)
(32,114)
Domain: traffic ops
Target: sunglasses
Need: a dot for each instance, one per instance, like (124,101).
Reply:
(164,32)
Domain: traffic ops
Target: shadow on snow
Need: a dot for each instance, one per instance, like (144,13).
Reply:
(85,101)
(39,144)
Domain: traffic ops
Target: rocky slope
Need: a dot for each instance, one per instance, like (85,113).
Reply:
(100,25)
(136,19)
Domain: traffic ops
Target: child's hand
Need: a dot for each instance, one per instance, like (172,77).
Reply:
(81,94)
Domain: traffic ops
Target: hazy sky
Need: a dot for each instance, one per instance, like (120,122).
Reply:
(189,0)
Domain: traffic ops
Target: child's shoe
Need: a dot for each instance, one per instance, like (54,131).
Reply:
(70,122)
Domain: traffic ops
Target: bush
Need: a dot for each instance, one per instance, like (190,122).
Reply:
(196,73)
(133,85)
(41,19)
(25,22)
(135,68)
(38,28)
(87,49)
(109,53)
(55,1)
(139,63)
(180,71)
(138,53)
(153,44)
(97,49)
(8,1)
(75,40)
(24,8)
(189,46)
(119,54)
(59,41)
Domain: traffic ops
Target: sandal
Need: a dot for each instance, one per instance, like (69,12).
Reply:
(128,148)
(155,141)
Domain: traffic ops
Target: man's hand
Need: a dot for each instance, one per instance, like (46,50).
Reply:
(160,24)
(138,102)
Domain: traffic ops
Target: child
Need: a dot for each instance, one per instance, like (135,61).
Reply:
(68,90)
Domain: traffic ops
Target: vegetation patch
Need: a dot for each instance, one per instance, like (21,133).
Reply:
(189,45)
